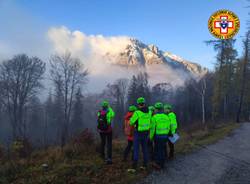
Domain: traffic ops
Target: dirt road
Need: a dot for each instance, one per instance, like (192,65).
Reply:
(226,162)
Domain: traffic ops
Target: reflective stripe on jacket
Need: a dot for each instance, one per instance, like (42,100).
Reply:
(160,125)
(173,124)
(143,119)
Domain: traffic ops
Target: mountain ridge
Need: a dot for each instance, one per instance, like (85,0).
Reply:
(138,54)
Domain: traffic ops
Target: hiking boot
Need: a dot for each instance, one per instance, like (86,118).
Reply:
(132,171)
(134,166)
(109,162)
(143,168)
(156,166)
(171,158)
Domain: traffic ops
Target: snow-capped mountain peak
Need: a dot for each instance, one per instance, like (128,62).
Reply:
(113,57)
(138,54)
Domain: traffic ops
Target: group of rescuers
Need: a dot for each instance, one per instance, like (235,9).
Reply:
(149,127)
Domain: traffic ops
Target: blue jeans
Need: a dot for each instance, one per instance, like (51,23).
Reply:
(140,138)
(160,149)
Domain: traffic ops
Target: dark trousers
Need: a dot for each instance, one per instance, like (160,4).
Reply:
(160,150)
(171,149)
(127,149)
(140,138)
(106,139)
(151,150)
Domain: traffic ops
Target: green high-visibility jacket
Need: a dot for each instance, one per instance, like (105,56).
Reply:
(173,124)
(143,120)
(110,115)
(160,125)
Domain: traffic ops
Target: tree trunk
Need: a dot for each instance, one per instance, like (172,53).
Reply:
(203,109)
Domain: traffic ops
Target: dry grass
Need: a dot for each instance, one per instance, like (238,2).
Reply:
(204,136)
(80,163)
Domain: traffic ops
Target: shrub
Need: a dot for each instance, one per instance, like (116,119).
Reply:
(21,148)
(84,141)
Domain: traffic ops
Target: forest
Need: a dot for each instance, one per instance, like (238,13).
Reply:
(45,104)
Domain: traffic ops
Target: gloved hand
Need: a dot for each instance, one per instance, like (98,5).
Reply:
(170,134)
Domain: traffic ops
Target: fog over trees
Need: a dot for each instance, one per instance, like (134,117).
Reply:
(222,95)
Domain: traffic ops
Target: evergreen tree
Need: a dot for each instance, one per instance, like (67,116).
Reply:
(139,87)
(224,73)
(243,71)
(132,91)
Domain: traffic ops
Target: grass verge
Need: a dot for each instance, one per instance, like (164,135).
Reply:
(82,164)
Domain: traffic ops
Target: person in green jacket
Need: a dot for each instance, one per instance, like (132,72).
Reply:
(160,128)
(104,121)
(141,121)
(168,110)
(151,143)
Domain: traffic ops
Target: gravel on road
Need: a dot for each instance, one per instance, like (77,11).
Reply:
(225,162)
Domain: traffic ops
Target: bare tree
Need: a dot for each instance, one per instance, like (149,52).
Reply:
(162,92)
(77,122)
(68,74)
(202,93)
(20,79)
(121,86)
(200,88)
(116,94)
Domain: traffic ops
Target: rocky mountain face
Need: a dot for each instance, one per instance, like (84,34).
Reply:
(134,57)
(138,54)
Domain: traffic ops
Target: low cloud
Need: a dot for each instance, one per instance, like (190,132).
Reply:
(21,33)
(92,49)
(83,45)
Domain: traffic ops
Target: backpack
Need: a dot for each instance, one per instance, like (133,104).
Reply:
(102,121)
(128,130)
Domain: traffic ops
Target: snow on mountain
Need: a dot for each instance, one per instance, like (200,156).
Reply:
(194,68)
(140,55)
(110,58)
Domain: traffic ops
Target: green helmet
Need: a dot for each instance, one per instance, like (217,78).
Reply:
(132,108)
(141,100)
(105,103)
(151,108)
(158,105)
(167,106)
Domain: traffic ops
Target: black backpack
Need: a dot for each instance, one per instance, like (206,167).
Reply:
(102,121)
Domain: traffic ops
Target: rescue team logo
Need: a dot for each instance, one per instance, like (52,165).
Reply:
(224,24)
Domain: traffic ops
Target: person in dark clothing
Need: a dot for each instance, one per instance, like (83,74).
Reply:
(106,139)
(105,116)
(127,150)
(129,131)
(151,149)
(171,150)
